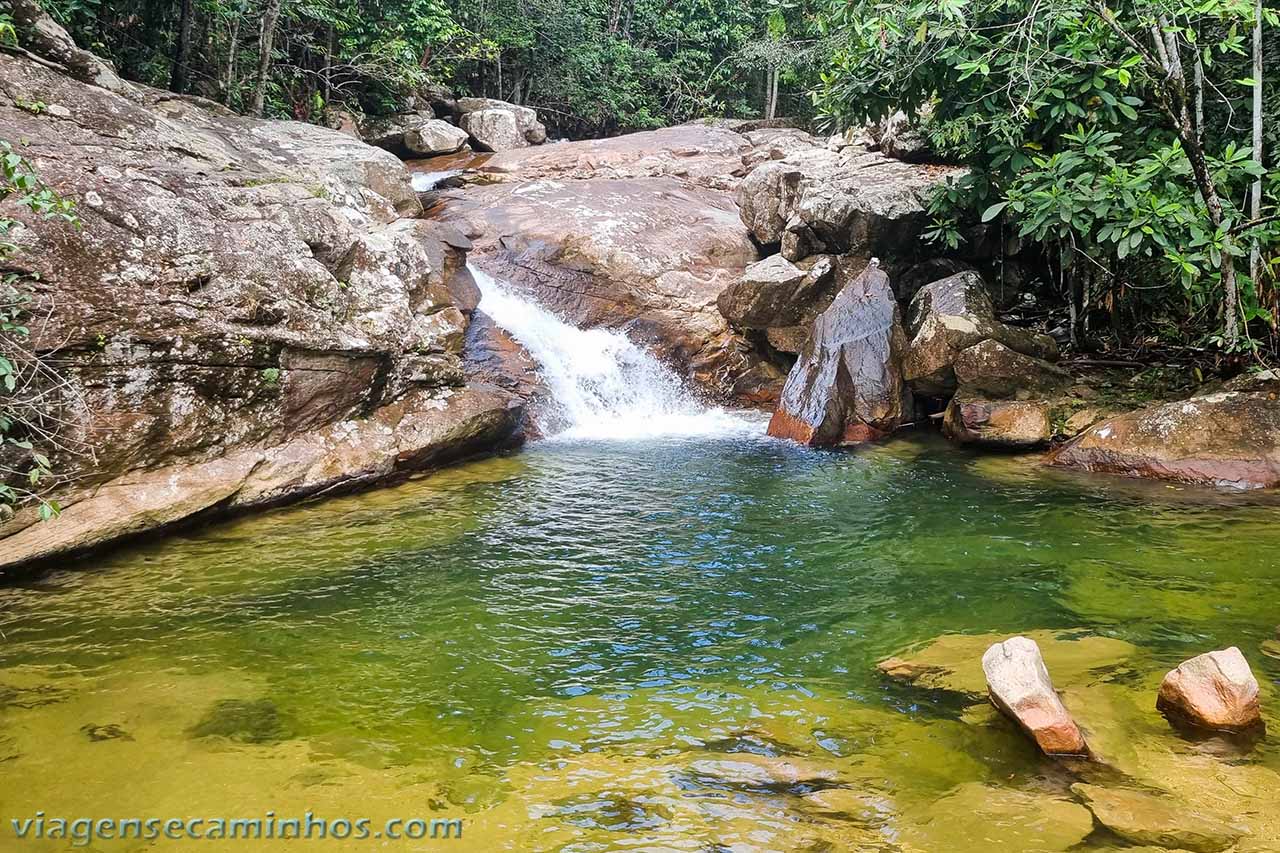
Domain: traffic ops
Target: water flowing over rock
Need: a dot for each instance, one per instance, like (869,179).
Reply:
(1228,438)
(847,386)
(249,313)
(637,233)
(1020,686)
(950,316)
(1214,691)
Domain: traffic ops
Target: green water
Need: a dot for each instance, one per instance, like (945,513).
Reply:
(640,646)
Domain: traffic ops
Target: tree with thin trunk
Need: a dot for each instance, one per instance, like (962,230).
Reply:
(179,73)
(1255,192)
(266,36)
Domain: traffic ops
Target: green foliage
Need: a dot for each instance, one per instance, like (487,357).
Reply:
(20,482)
(1073,139)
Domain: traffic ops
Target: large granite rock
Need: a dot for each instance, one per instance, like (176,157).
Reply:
(1215,691)
(1020,686)
(637,233)
(776,293)
(847,386)
(248,312)
(499,126)
(1228,438)
(1161,821)
(814,200)
(950,316)
(994,370)
(416,134)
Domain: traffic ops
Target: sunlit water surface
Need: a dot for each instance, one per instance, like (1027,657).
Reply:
(658,645)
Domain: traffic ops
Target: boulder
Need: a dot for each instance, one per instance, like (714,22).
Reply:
(1227,438)
(1019,685)
(1214,691)
(499,126)
(993,370)
(240,293)
(389,132)
(846,388)
(848,201)
(775,293)
(434,138)
(1009,424)
(951,315)
(1161,821)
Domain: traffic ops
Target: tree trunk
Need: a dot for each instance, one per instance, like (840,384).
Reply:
(266,37)
(179,74)
(773,95)
(233,53)
(1255,193)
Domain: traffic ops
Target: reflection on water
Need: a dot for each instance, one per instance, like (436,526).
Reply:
(603,646)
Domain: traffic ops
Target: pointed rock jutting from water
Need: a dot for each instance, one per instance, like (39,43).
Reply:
(847,386)
(1019,685)
(1214,691)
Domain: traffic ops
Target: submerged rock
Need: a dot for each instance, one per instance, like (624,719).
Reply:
(1161,821)
(847,386)
(1009,424)
(948,317)
(978,817)
(258,721)
(1215,691)
(1020,686)
(1228,438)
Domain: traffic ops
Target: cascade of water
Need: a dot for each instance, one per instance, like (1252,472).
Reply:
(602,385)
(427,181)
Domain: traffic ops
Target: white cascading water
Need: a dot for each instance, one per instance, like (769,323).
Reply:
(602,385)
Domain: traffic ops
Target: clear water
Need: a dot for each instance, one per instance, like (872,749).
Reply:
(664,644)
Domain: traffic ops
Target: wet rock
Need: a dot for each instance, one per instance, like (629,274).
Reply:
(110,731)
(762,772)
(980,818)
(1161,821)
(1019,685)
(848,201)
(775,292)
(950,316)
(1228,438)
(500,126)
(1081,420)
(258,721)
(847,387)
(1215,691)
(991,369)
(1010,424)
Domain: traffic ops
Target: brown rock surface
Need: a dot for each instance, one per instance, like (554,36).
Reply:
(1020,686)
(1216,690)
(847,386)
(1227,438)
(1011,424)
(1146,818)
(993,370)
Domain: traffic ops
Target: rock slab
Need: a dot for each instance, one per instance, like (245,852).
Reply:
(1019,685)
(847,386)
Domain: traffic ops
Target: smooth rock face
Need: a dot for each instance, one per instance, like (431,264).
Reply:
(243,300)
(391,132)
(1011,424)
(1160,821)
(847,386)
(1214,691)
(951,315)
(637,233)
(1228,438)
(1020,686)
(848,201)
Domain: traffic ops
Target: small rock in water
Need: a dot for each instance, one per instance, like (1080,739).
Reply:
(245,721)
(1019,685)
(1215,691)
(1157,820)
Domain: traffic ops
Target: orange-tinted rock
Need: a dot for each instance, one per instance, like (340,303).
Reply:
(1214,691)
(997,423)
(847,386)
(1230,438)
(1019,685)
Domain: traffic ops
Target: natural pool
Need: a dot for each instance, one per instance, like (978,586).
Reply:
(645,645)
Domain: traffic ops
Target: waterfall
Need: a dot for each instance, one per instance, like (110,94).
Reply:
(602,385)
(427,181)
